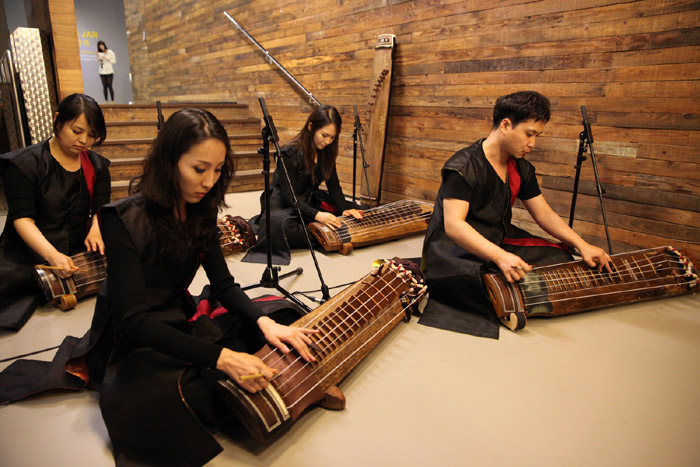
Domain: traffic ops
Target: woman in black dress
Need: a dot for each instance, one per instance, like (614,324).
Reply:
(310,160)
(156,398)
(53,189)
(154,355)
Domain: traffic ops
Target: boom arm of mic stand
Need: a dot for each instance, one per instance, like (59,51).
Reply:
(280,163)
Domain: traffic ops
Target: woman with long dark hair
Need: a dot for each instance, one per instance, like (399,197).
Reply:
(153,354)
(156,240)
(310,160)
(53,190)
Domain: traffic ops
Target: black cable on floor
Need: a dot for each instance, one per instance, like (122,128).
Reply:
(318,300)
(28,354)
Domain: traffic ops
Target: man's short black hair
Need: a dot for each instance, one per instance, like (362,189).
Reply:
(521,106)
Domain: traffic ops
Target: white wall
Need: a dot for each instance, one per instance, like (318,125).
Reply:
(103,20)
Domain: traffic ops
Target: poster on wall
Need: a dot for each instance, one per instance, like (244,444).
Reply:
(104,50)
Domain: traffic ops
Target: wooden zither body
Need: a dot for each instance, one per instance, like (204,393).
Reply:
(378,225)
(65,293)
(350,325)
(235,234)
(573,287)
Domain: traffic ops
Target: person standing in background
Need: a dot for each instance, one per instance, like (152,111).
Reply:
(106,58)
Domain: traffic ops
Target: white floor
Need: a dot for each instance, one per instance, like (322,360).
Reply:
(615,387)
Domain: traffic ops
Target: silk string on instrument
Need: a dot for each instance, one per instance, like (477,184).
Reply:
(235,234)
(378,225)
(65,293)
(350,325)
(573,287)
(375,135)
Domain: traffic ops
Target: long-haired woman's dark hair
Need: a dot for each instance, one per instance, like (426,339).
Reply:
(76,105)
(159,182)
(103,43)
(319,118)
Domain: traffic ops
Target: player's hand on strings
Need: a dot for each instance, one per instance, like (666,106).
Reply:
(65,263)
(277,334)
(94,241)
(248,371)
(512,266)
(328,219)
(596,257)
(356,213)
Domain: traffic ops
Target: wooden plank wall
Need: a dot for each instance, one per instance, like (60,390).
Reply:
(633,64)
(65,47)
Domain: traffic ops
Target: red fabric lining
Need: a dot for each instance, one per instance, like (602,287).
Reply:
(204,309)
(270,298)
(88,171)
(513,180)
(514,185)
(533,241)
(329,207)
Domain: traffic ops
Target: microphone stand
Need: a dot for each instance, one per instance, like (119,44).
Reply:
(161,120)
(270,278)
(586,143)
(357,137)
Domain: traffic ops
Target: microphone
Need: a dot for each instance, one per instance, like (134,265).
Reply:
(268,119)
(586,125)
(358,125)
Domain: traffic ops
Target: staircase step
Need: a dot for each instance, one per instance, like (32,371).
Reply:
(122,112)
(132,129)
(244,180)
(134,147)
(124,168)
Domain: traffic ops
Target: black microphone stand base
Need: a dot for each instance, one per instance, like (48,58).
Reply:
(270,280)
(271,277)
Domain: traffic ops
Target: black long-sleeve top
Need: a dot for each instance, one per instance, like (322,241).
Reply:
(38,187)
(134,280)
(305,186)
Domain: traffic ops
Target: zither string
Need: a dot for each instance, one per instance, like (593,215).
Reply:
(561,278)
(398,316)
(609,293)
(343,303)
(571,278)
(344,339)
(650,264)
(381,220)
(377,291)
(96,270)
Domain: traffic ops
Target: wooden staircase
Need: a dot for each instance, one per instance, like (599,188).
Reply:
(131,130)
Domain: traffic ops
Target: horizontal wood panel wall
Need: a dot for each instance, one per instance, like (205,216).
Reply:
(633,64)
